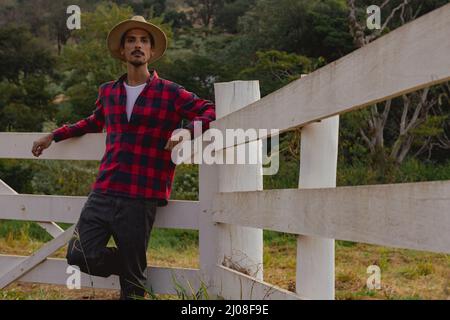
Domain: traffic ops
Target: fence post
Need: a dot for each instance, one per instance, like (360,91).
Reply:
(234,246)
(318,162)
(208,240)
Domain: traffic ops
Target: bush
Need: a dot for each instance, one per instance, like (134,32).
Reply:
(185,184)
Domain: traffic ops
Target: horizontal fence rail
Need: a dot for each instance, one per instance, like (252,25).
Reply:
(161,280)
(409,215)
(18,145)
(235,285)
(178,214)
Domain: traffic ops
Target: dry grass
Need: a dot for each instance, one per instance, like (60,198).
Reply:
(405,274)
(161,257)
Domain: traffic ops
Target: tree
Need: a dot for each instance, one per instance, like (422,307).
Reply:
(45,19)
(310,28)
(306,27)
(204,10)
(177,20)
(21,53)
(26,64)
(195,72)
(25,104)
(228,16)
(420,124)
(274,69)
(145,7)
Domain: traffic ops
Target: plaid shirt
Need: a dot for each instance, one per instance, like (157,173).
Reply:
(135,163)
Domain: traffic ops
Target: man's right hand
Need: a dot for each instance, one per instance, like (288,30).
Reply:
(41,144)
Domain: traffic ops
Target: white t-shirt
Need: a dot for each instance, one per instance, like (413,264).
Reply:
(133,93)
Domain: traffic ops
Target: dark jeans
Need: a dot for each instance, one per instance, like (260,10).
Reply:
(129,221)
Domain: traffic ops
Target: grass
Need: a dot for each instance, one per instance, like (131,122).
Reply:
(428,275)
(405,274)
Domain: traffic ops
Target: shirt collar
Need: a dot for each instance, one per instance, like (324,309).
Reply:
(153,75)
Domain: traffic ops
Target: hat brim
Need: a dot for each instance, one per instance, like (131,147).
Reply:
(116,33)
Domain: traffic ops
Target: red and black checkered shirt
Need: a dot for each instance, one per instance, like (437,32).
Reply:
(135,163)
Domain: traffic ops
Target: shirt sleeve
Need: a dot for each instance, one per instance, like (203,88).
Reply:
(92,124)
(193,108)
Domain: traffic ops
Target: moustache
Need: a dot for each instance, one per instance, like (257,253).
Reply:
(137,51)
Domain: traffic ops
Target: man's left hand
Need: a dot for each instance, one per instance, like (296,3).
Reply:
(177,138)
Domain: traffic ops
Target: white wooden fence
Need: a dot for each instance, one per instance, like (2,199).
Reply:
(233,208)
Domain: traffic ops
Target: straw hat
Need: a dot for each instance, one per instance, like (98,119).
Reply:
(116,33)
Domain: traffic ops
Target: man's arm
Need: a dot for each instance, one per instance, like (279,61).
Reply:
(190,106)
(93,123)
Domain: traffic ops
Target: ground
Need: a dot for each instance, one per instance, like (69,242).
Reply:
(405,274)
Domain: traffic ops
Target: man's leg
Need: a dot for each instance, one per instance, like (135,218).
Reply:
(131,230)
(87,248)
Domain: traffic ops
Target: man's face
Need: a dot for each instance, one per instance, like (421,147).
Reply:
(137,48)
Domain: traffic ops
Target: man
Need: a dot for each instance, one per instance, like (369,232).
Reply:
(139,111)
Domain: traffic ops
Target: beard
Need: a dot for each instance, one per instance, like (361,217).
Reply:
(137,63)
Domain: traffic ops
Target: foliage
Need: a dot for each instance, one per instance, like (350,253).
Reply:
(22,55)
(64,177)
(185,184)
(195,72)
(311,28)
(177,20)
(275,69)
(414,124)
(228,16)
(17,174)
(25,104)
(204,11)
